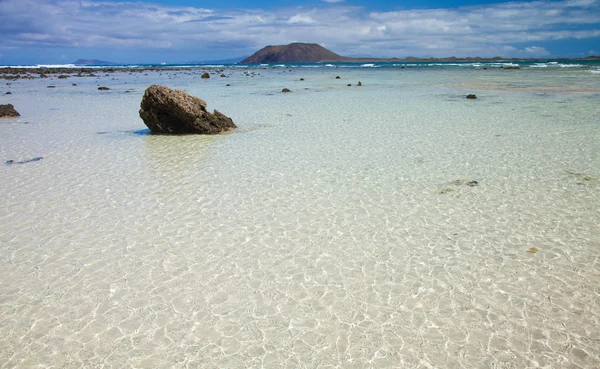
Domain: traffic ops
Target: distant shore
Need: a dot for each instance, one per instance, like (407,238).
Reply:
(26,72)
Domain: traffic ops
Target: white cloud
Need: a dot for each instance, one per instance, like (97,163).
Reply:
(536,51)
(483,30)
(333,1)
(301,19)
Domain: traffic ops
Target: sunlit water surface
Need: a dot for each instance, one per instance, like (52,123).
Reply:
(337,227)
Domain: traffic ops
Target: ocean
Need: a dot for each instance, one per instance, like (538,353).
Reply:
(395,224)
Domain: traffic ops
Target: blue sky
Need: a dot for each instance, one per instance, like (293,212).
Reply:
(177,31)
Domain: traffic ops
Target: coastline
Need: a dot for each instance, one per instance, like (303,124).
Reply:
(67,71)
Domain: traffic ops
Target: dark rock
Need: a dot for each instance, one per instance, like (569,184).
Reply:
(359,83)
(11,162)
(43,75)
(286,90)
(302,79)
(51,86)
(74,84)
(223,76)
(165,110)
(471,96)
(227,85)
(338,77)
(510,67)
(8,111)
(465,182)
(63,76)
(205,75)
(102,88)
(349,85)
(8,93)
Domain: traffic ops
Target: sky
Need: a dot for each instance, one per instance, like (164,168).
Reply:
(179,31)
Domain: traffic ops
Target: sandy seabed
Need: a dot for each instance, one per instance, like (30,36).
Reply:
(393,225)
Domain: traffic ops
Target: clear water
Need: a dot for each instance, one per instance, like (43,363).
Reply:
(335,228)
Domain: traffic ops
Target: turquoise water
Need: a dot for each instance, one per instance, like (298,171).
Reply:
(337,227)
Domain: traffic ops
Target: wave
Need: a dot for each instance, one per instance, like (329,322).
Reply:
(555,65)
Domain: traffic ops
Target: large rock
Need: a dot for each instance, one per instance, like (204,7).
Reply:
(8,111)
(172,111)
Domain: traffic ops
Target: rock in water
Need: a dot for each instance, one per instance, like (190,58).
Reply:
(8,111)
(172,111)
(472,96)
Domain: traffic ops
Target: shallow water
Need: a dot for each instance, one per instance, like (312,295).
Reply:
(336,228)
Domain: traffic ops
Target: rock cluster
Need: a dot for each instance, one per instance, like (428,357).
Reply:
(165,110)
(8,111)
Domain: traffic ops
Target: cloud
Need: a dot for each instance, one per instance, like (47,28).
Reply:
(333,1)
(536,51)
(483,30)
(301,19)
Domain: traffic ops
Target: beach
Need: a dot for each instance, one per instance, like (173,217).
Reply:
(392,225)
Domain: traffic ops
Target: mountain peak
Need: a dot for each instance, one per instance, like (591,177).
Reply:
(296,52)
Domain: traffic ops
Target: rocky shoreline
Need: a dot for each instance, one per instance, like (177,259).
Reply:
(14,73)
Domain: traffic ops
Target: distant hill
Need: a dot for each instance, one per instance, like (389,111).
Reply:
(313,53)
(294,53)
(92,62)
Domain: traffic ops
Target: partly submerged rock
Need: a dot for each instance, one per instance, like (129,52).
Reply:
(102,88)
(12,162)
(471,96)
(8,111)
(359,83)
(165,110)
(465,182)
(286,90)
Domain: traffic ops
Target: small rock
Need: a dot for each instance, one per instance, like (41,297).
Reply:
(359,83)
(286,90)
(8,93)
(8,111)
(227,85)
(102,88)
(349,85)
(302,79)
(63,76)
(471,96)
(11,162)
(465,182)
(74,84)
(51,86)
(8,84)
(205,75)
(223,76)
(338,77)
